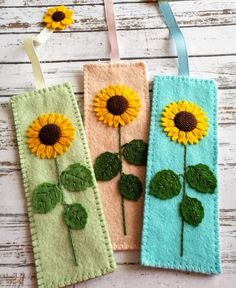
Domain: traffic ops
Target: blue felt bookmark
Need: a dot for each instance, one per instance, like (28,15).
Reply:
(181,221)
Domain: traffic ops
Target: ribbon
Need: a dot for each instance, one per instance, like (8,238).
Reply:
(29,46)
(112,33)
(178,37)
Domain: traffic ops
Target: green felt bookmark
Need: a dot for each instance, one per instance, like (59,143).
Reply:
(70,243)
(68,230)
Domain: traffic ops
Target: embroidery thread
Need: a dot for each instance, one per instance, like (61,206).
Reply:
(49,136)
(186,123)
(117,106)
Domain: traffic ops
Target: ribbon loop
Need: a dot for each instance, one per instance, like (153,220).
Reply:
(112,32)
(29,46)
(178,37)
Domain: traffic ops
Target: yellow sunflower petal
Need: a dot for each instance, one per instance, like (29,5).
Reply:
(169,114)
(126,118)
(47,19)
(32,133)
(49,25)
(132,111)
(33,142)
(62,8)
(110,91)
(173,107)
(182,137)
(168,122)
(51,118)
(59,119)
(102,96)
(41,151)
(173,131)
(111,121)
(36,126)
(43,120)
(55,25)
(49,151)
(58,147)
(51,10)
(190,137)
(67,21)
(116,121)
(65,141)
(69,13)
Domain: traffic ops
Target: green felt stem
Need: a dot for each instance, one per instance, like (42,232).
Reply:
(184,194)
(73,246)
(69,230)
(121,171)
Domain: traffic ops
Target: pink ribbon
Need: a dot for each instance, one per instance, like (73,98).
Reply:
(112,33)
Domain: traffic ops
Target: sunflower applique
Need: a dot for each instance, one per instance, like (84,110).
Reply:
(59,17)
(186,123)
(116,106)
(50,135)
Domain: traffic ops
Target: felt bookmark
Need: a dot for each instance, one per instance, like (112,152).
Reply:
(181,221)
(68,230)
(117,124)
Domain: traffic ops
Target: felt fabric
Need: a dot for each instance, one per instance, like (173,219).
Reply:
(102,138)
(161,239)
(54,260)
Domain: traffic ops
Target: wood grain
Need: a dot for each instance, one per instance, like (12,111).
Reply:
(209,28)
(144,14)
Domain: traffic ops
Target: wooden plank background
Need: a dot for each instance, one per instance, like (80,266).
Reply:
(210,30)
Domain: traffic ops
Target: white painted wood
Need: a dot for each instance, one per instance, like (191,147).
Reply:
(128,16)
(45,3)
(155,43)
(210,30)
(220,68)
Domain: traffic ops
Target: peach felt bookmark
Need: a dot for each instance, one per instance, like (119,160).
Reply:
(117,113)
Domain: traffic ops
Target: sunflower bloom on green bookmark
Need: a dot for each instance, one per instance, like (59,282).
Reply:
(50,136)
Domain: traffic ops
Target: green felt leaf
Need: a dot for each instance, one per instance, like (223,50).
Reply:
(135,152)
(45,197)
(75,216)
(192,211)
(165,184)
(107,166)
(130,187)
(201,178)
(76,178)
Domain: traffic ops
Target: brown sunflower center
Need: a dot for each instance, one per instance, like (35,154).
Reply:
(50,134)
(185,121)
(58,16)
(117,105)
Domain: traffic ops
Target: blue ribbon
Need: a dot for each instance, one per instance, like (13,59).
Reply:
(178,37)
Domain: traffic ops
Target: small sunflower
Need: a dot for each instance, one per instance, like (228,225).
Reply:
(185,122)
(50,135)
(117,105)
(59,17)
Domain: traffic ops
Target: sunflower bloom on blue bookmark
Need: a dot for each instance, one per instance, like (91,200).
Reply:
(186,123)
(181,220)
